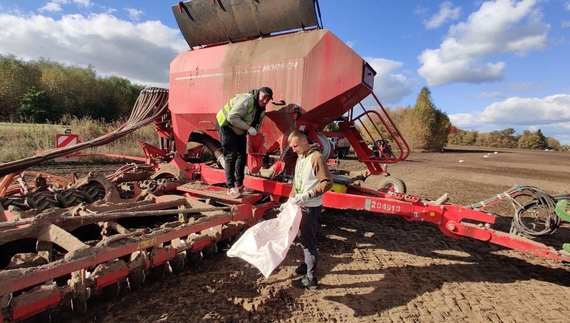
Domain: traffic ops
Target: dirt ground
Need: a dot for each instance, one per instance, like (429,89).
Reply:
(377,268)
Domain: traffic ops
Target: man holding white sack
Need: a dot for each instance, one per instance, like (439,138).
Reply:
(312,179)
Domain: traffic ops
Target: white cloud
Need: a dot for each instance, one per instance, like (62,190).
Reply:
(565,24)
(134,14)
(390,87)
(567,5)
(51,7)
(419,10)
(55,5)
(551,114)
(526,86)
(141,52)
(497,27)
(85,3)
(489,95)
(445,13)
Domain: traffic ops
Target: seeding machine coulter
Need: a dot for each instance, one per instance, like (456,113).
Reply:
(68,238)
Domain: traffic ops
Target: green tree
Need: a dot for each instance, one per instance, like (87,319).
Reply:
(35,106)
(553,143)
(542,144)
(432,126)
(16,77)
(529,140)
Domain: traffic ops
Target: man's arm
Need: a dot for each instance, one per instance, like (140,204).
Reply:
(323,175)
(238,111)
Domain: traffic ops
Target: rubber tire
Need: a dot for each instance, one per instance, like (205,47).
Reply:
(390,182)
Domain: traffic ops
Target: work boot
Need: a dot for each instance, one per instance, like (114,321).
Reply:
(300,270)
(306,283)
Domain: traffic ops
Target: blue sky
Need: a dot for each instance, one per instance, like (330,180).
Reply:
(490,65)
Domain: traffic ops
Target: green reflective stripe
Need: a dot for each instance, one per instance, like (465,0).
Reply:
(299,177)
(222,115)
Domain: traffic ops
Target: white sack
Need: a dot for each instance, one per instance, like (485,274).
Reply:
(266,244)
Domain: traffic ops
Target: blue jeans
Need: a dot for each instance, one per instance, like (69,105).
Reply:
(308,237)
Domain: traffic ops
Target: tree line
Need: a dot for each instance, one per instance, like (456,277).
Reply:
(43,90)
(427,128)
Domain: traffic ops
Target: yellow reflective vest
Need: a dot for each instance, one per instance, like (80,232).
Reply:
(239,112)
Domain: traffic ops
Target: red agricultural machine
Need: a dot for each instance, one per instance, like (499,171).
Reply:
(65,239)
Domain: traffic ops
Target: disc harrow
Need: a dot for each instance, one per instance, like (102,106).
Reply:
(80,244)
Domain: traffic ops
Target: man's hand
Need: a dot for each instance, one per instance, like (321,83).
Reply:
(252,131)
(301,199)
(282,206)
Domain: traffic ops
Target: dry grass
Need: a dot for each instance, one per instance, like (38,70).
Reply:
(21,140)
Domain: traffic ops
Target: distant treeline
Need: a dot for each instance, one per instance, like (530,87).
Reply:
(44,91)
(506,138)
(426,128)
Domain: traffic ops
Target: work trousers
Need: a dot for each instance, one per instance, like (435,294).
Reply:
(308,237)
(234,148)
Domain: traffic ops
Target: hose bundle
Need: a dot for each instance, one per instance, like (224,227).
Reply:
(535,211)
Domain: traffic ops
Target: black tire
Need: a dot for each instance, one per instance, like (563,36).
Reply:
(392,184)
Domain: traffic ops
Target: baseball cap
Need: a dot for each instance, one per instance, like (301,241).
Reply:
(267,91)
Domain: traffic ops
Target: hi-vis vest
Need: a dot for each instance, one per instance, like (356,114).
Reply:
(222,115)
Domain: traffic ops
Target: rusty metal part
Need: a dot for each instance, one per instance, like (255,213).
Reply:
(204,23)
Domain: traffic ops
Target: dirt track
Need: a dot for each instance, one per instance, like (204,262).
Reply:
(381,268)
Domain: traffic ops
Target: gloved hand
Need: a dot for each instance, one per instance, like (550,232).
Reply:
(252,131)
(282,206)
(301,199)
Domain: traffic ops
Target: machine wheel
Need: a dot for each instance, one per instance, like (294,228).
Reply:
(71,197)
(135,279)
(42,200)
(392,184)
(94,192)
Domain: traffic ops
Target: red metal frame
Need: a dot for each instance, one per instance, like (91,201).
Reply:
(450,219)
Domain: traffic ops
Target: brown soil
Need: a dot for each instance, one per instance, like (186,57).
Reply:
(376,268)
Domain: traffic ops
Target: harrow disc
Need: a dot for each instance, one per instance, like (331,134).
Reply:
(177,264)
